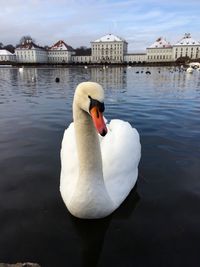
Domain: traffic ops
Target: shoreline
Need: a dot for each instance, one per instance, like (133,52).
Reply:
(90,65)
(26,264)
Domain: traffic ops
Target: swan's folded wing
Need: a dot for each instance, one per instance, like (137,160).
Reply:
(121,152)
(69,163)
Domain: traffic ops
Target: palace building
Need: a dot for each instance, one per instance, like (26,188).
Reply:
(159,51)
(186,47)
(6,56)
(135,58)
(109,49)
(60,52)
(29,52)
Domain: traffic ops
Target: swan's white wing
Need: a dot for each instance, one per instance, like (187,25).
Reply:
(69,164)
(121,152)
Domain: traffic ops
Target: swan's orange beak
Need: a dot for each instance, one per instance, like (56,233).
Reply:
(98,120)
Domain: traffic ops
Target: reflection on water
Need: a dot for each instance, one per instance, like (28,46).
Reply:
(158,225)
(92,232)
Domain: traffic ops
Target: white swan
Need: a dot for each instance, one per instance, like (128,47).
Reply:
(97,173)
(190,70)
(21,69)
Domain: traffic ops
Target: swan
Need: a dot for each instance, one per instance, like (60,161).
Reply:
(21,69)
(99,162)
(190,70)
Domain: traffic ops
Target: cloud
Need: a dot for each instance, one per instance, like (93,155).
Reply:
(79,22)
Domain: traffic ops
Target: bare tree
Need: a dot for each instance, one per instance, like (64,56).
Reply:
(25,38)
(83,51)
(10,48)
(46,47)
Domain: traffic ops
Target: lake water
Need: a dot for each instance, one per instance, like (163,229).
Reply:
(159,223)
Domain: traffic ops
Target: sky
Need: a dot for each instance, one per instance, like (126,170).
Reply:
(79,22)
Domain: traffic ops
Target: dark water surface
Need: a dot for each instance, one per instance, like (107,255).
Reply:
(159,223)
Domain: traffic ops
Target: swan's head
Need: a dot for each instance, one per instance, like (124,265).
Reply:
(89,96)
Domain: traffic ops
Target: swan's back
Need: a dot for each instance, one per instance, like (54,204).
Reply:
(121,152)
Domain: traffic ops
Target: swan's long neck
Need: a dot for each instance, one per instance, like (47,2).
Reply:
(90,198)
(89,153)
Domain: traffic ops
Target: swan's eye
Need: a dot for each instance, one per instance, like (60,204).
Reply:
(96,103)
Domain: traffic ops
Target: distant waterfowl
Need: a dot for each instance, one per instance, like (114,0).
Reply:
(97,173)
(85,67)
(57,80)
(190,70)
(33,79)
(137,72)
(148,72)
(21,69)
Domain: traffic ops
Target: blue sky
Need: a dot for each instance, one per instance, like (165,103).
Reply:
(78,22)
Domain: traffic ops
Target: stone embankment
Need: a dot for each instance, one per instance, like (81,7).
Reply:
(27,264)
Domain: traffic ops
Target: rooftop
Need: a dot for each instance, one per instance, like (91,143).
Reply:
(160,43)
(187,40)
(4,52)
(28,44)
(61,45)
(109,38)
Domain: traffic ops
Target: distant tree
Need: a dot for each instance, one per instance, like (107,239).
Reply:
(10,48)
(1,45)
(83,51)
(183,60)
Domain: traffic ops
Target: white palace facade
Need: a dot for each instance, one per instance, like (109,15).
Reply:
(107,49)
(29,52)
(6,56)
(159,51)
(186,47)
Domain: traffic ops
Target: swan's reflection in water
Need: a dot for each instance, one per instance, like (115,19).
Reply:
(92,232)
